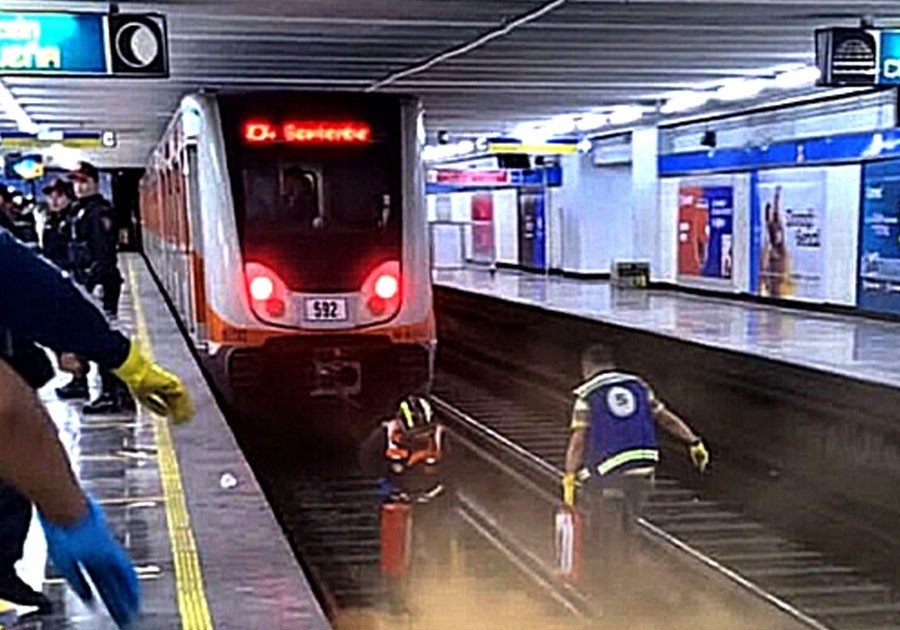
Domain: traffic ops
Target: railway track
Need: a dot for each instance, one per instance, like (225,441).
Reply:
(333,523)
(800,581)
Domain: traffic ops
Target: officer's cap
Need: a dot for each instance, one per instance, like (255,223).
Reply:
(85,171)
(58,185)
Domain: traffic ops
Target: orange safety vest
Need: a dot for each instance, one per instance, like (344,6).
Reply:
(403,457)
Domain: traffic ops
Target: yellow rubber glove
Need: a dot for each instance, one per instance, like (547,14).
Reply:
(160,391)
(699,455)
(568,484)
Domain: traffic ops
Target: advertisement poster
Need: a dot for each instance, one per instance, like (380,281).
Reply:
(706,231)
(788,234)
(879,238)
(483,227)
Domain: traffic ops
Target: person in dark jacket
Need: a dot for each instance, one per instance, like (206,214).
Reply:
(39,304)
(55,241)
(95,260)
(57,233)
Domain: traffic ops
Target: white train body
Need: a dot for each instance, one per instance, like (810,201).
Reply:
(289,230)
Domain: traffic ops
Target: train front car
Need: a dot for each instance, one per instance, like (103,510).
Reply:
(314,244)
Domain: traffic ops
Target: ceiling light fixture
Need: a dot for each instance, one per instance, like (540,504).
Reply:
(684,101)
(739,89)
(797,78)
(15,111)
(626,114)
(590,121)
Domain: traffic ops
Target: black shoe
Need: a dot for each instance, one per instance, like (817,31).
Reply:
(15,591)
(76,388)
(106,404)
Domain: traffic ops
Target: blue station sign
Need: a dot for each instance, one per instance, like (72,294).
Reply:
(84,44)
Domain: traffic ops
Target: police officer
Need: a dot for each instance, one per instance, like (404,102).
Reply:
(57,232)
(55,241)
(94,257)
(50,310)
(613,449)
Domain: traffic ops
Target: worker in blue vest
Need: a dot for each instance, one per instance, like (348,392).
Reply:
(613,450)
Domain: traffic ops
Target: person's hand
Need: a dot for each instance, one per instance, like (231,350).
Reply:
(89,547)
(699,455)
(568,486)
(155,388)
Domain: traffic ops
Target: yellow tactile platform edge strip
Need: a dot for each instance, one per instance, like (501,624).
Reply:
(192,604)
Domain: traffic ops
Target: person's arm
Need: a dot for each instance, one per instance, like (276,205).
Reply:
(32,459)
(580,425)
(669,421)
(677,427)
(40,303)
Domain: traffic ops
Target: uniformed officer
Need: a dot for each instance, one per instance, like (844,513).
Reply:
(94,257)
(55,241)
(49,309)
(57,232)
(613,449)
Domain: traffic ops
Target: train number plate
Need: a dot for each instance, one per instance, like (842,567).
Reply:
(325,309)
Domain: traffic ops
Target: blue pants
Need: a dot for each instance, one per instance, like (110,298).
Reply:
(15,518)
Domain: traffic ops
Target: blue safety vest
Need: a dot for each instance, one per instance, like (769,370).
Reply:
(623,429)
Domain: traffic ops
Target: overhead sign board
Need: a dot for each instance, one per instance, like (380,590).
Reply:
(858,56)
(72,139)
(547,148)
(83,44)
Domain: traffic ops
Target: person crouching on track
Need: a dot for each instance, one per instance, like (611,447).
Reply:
(405,454)
(613,451)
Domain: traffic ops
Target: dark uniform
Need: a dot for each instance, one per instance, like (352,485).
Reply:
(56,237)
(94,249)
(94,259)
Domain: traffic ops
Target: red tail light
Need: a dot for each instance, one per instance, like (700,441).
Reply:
(381,289)
(261,288)
(267,291)
(387,286)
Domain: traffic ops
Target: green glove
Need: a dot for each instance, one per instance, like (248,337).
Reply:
(699,455)
(160,391)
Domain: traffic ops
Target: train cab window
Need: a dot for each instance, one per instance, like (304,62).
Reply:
(314,198)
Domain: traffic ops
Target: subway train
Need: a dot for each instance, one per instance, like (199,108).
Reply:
(289,231)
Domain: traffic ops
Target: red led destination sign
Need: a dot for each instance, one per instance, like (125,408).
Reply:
(307,132)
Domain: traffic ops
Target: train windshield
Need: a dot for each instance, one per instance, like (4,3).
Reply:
(317,187)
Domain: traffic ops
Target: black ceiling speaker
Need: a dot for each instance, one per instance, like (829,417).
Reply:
(708,139)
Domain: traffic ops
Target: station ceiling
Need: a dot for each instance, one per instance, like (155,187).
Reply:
(577,55)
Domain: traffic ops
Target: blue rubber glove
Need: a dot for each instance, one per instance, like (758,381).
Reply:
(88,546)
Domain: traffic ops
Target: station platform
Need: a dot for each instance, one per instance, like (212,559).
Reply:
(847,346)
(183,501)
